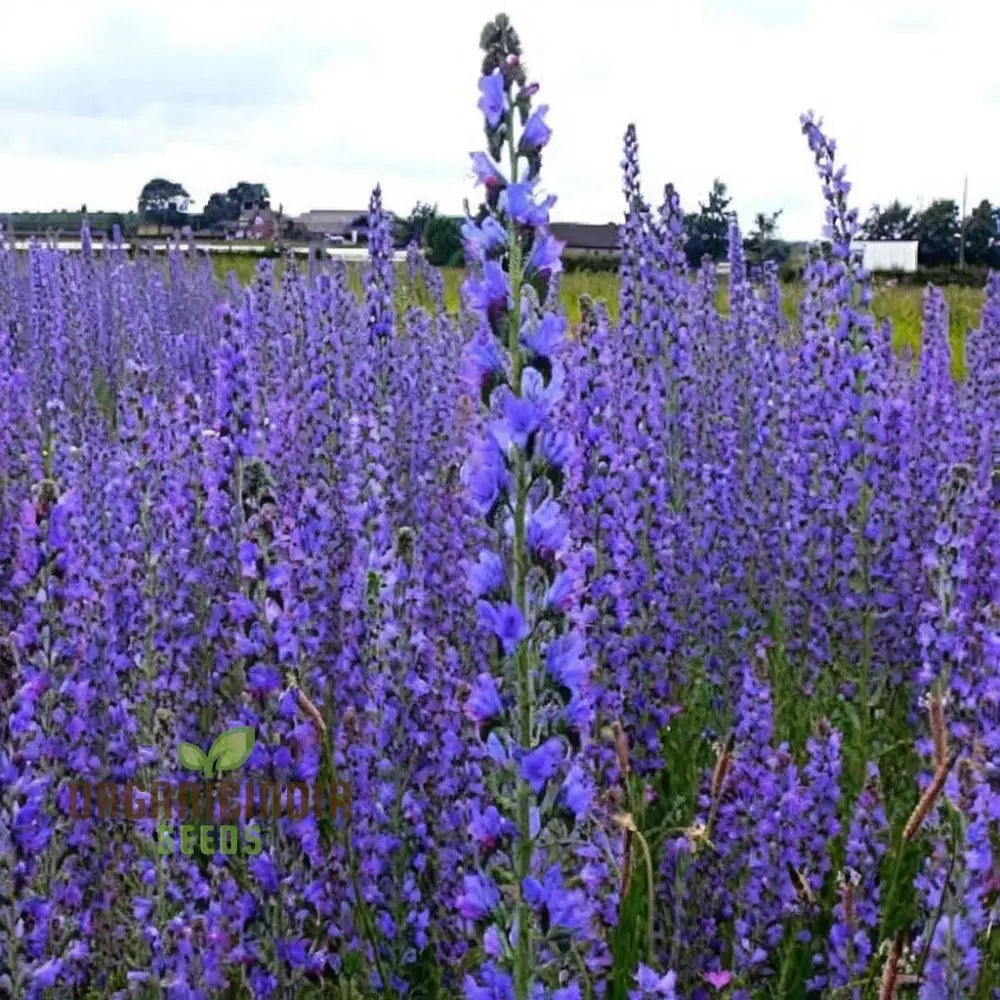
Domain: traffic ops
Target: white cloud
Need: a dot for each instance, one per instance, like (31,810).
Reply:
(321,101)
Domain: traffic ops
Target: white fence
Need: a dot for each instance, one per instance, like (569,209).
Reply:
(345,253)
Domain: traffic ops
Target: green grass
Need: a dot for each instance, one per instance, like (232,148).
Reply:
(902,305)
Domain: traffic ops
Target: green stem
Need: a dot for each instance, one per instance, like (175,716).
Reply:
(649,897)
(522,865)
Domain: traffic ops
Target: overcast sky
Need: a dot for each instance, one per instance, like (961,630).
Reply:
(322,100)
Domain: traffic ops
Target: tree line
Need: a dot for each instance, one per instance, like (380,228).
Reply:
(945,237)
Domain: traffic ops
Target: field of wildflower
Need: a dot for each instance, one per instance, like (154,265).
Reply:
(654,643)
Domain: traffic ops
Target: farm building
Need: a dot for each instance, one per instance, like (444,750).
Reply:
(887,255)
(336,225)
(583,237)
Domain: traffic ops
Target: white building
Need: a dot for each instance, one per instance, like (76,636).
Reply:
(887,255)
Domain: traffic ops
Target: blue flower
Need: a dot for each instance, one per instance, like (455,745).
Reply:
(521,418)
(263,679)
(490,292)
(483,363)
(559,596)
(536,133)
(506,622)
(46,975)
(651,984)
(567,908)
(556,447)
(484,702)
(542,763)
(566,661)
(486,574)
(479,897)
(485,475)
(491,101)
(547,530)
(492,942)
(546,254)
(487,172)
(488,827)
(533,385)
(496,986)
(547,337)
(576,792)
(517,202)
(482,240)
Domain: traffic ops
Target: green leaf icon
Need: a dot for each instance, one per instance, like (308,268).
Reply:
(231,749)
(190,756)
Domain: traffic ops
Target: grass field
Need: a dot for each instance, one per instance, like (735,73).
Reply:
(902,305)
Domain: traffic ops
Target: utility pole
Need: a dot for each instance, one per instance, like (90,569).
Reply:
(961,242)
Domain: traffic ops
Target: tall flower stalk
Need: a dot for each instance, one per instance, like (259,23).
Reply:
(533,708)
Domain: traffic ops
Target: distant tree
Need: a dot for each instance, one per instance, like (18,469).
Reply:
(708,228)
(443,235)
(217,209)
(982,236)
(227,206)
(164,203)
(937,229)
(894,222)
(413,227)
(249,196)
(762,244)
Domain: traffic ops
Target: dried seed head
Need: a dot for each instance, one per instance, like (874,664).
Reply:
(939,730)
(890,975)
(625,821)
(621,747)
(928,799)
(801,885)
(722,764)
(312,711)
(847,896)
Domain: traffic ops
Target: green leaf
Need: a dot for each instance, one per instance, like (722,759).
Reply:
(232,748)
(190,756)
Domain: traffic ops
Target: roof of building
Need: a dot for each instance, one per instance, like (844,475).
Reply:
(335,221)
(587,236)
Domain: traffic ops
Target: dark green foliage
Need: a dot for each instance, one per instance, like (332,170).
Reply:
(937,229)
(894,222)
(413,229)
(443,236)
(708,228)
(70,223)
(164,203)
(763,244)
(982,236)
(226,207)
